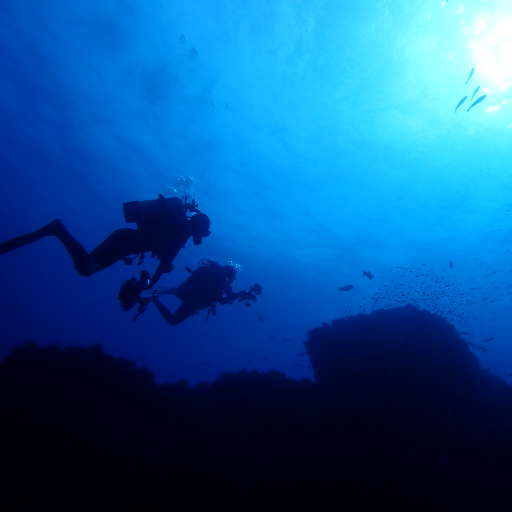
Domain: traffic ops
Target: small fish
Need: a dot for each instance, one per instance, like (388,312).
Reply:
(345,288)
(476,90)
(509,375)
(302,354)
(460,103)
(482,98)
(271,337)
(464,332)
(368,274)
(260,318)
(298,364)
(451,264)
(470,75)
(489,339)
(286,339)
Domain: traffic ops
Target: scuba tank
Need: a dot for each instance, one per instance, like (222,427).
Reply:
(203,286)
(144,211)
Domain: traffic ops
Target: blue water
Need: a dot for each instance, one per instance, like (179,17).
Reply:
(320,138)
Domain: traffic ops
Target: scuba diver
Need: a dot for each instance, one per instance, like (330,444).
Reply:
(206,287)
(163,228)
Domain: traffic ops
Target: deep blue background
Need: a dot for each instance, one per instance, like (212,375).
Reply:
(319,136)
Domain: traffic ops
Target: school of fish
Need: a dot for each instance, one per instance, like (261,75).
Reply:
(477,101)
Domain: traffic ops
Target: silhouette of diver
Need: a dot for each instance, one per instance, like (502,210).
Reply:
(206,287)
(163,228)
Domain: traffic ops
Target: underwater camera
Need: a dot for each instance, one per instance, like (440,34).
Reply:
(250,294)
(129,293)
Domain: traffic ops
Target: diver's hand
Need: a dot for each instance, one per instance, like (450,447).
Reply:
(154,297)
(246,295)
(163,268)
(154,280)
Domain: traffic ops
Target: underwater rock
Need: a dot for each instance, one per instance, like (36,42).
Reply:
(401,413)
(402,350)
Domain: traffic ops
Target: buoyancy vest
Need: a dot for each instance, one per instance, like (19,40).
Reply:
(204,286)
(163,223)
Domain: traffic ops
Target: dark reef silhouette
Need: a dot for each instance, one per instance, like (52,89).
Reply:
(401,414)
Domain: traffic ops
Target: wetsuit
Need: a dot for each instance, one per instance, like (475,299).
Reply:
(162,228)
(205,287)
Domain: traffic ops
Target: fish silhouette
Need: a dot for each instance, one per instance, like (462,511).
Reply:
(476,90)
(345,288)
(368,274)
(460,103)
(470,75)
(477,101)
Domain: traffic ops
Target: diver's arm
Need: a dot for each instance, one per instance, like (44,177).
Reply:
(164,267)
(163,310)
(230,297)
(156,276)
(166,258)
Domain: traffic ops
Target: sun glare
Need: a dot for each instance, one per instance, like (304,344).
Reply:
(492,48)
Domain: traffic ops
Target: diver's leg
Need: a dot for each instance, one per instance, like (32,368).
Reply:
(57,229)
(75,250)
(120,243)
(50,229)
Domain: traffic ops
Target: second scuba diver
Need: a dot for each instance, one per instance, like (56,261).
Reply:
(206,287)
